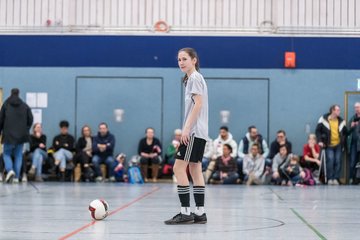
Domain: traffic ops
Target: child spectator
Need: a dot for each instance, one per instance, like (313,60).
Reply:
(293,172)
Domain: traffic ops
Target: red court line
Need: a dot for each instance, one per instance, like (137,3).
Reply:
(111,213)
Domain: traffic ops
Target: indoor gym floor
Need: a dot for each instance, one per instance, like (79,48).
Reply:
(59,211)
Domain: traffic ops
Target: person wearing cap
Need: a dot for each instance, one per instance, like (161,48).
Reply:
(15,123)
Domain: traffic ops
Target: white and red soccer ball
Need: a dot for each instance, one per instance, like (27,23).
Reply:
(99,209)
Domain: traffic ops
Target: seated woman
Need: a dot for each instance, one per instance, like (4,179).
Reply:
(293,171)
(37,152)
(84,154)
(225,169)
(311,155)
(149,150)
(279,162)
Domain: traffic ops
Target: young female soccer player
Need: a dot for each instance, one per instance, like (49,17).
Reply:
(193,140)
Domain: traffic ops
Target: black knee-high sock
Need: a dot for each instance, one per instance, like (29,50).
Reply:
(199,195)
(184,195)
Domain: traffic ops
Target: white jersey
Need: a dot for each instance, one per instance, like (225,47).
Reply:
(196,85)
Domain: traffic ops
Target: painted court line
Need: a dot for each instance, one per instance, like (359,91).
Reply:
(322,237)
(111,213)
(276,194)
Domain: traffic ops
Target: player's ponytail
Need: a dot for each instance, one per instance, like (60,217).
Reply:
(193,54)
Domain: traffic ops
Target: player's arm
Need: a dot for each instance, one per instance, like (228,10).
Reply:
(192,118)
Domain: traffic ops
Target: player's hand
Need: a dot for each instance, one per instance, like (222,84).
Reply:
(185,136)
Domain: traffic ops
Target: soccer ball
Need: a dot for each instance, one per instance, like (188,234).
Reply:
(99,209)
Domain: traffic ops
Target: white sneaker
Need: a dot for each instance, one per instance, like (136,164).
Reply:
(99,179)
(9,176)
(112,179)
(330,182)
(336,182)
(24,178)
(1,177)
(15,180)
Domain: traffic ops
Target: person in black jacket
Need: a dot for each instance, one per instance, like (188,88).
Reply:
(15,122)
(37,152)
(149,150)
(63,145)
(331,133)
(103,152)
(281,139)
(84,150)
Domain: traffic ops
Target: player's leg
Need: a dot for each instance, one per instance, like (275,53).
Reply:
(199,192)
(183,188)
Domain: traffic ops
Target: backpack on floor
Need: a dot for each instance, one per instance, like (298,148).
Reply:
(135,175)
(309,178)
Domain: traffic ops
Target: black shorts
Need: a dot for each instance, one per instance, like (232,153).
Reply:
(193,152)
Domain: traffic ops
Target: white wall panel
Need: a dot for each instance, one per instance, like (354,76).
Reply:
(288,16)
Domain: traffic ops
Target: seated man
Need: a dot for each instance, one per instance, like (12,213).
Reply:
(225,169)
(149,150)
(251,137)
(279,161)
(225,137)
(103,150)
(280,140)
(254,167)
(63,145)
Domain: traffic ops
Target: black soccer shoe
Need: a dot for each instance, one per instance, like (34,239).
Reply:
(180,219)
(202,219)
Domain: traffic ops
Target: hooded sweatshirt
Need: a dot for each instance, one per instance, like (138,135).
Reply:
(15,121)
(219,143)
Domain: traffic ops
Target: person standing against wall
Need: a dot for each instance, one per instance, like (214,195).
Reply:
(353,139)
(331,133)
(193,140)
(15,122)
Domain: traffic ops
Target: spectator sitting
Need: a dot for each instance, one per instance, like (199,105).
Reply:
(279,162)
(331,133)
(280,140)
(15,122)
(225,169)
(172,148)
(103,150)
(63,145)
(293,172)
(208,153)
(354,143)
(149,150)
(250,138)
(120,169)
(311,156)
(245,145)
(84,153)
(37,152)
(254,167)
(225,137)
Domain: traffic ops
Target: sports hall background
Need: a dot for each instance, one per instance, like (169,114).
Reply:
(94,56)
